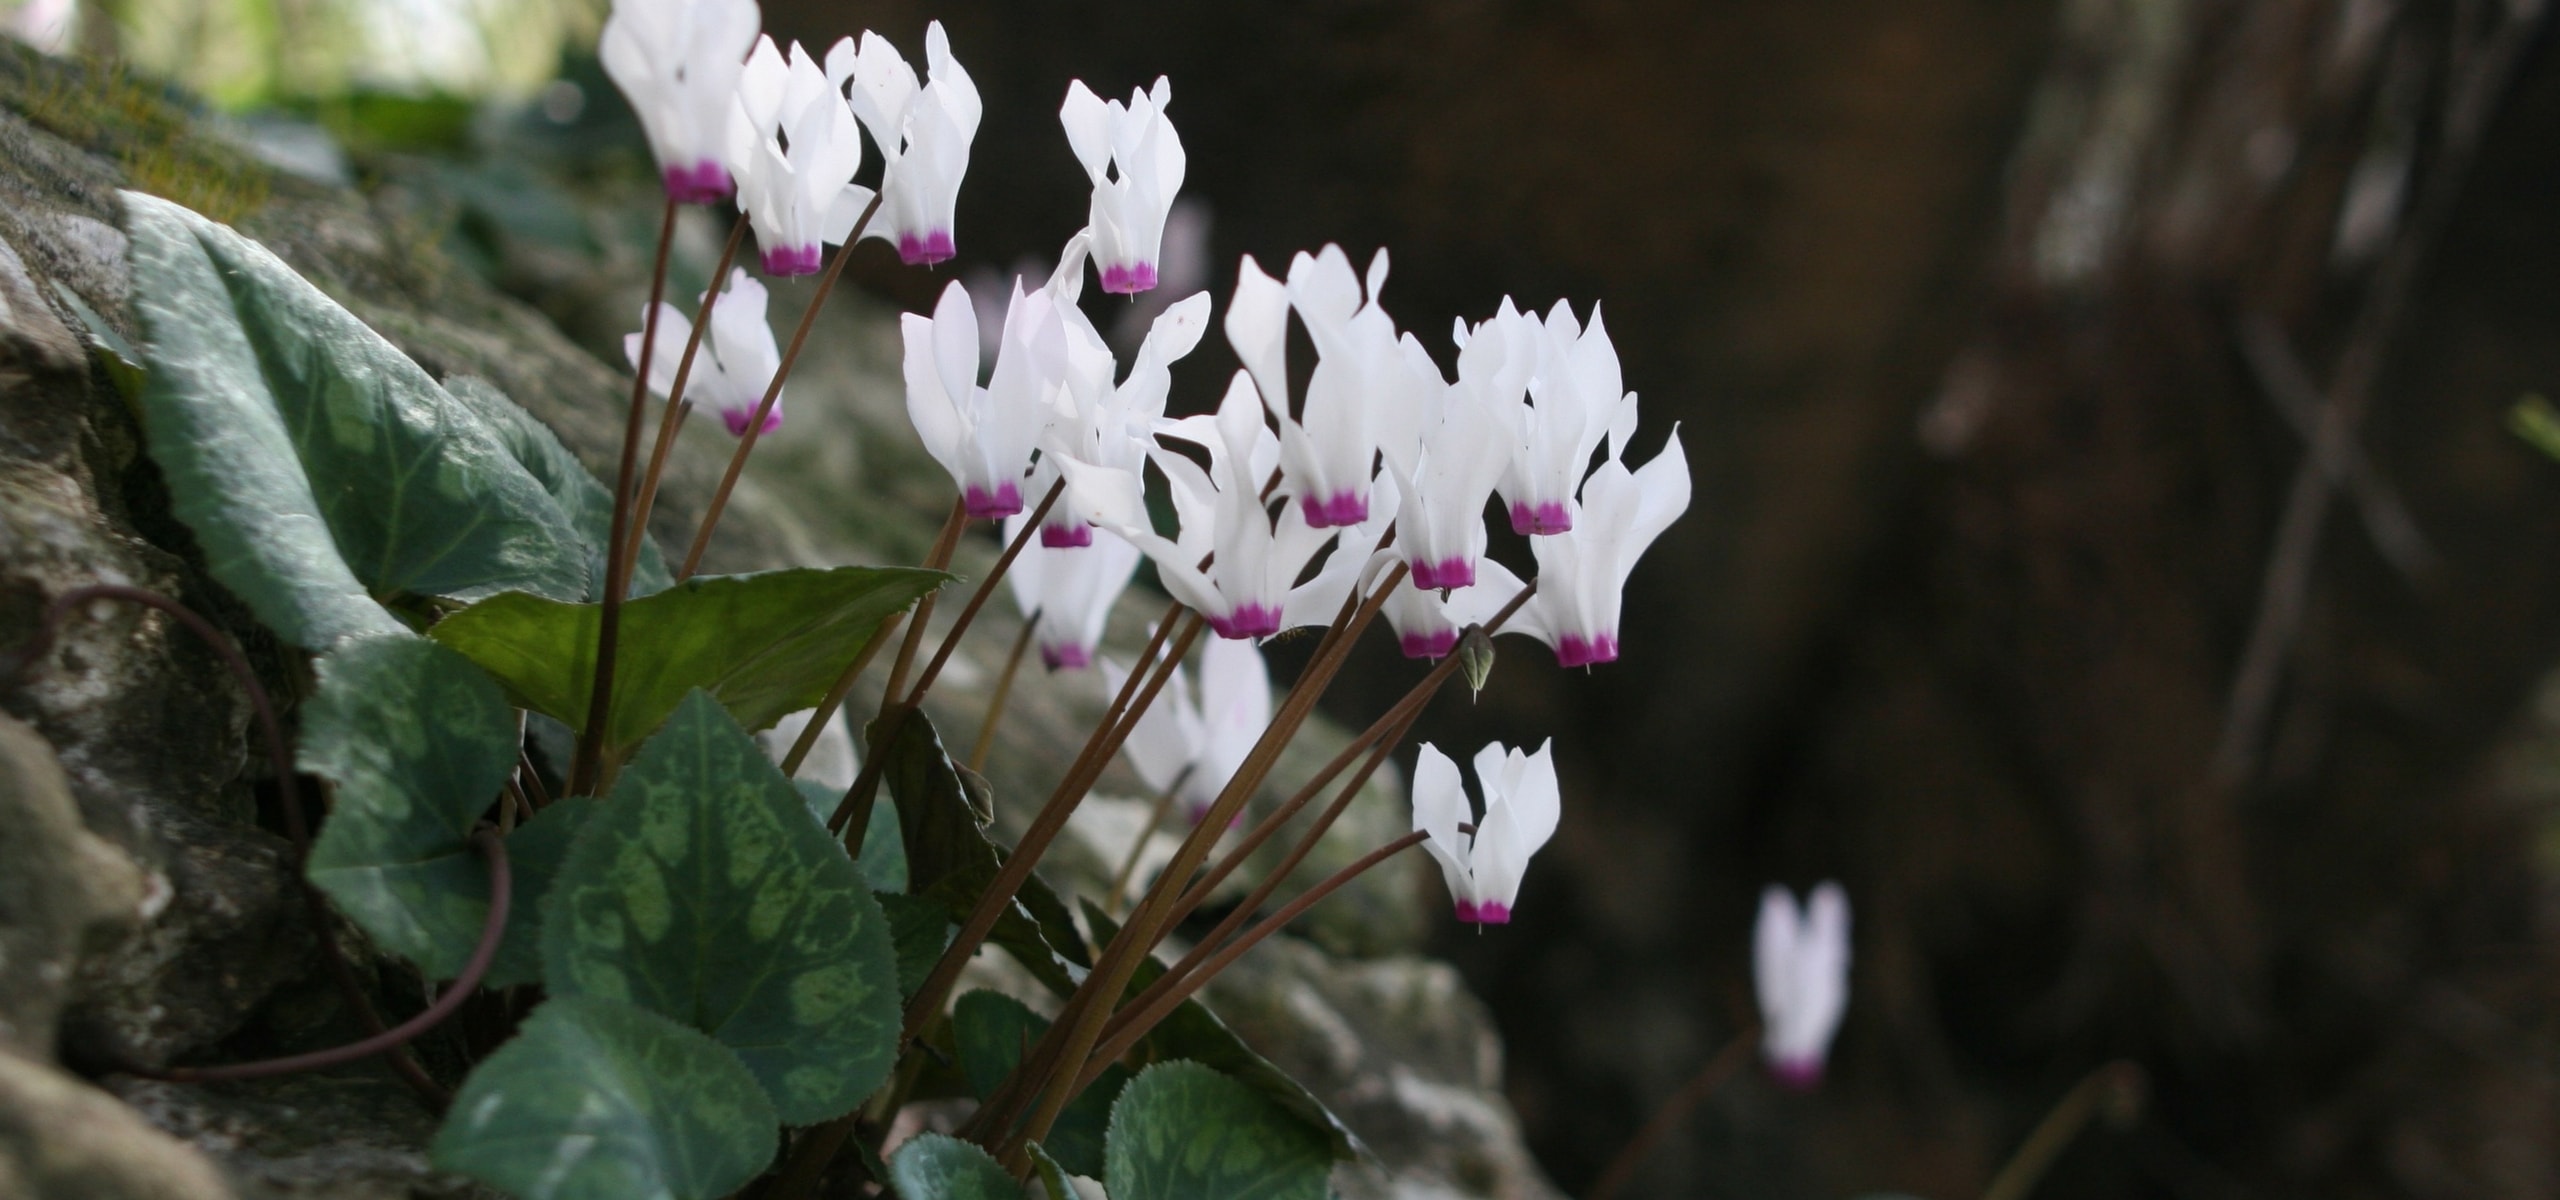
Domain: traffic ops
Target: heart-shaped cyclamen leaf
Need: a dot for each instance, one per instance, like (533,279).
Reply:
(418,742)
(766,644)
(932,1166)
(597,1100)
(588,504)
(1182,1132)
(320,469)
(702,891)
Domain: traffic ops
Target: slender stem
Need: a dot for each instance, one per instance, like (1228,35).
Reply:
(288,788)
(893,718)
(1044,827)
(501,892)
(1149,924)
(532,781)
(1138,845)
(671,418)
(582,770)
(826,711)
(772,394)
(1004,691)
(1147,1017)
(986,588)
(1673,1111)
(2115,1087)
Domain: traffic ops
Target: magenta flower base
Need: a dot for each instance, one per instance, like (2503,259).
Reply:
(1247,621)
(1446,573)
(736,419)
(1129,279)
(1491,912)
(1066,537)
(1538,520)
(1575,650)
(785,262)
(1069,657)
(983,505)
(1343,508)
(702,183)
(1429,645)
(926,249)
(1798,1075)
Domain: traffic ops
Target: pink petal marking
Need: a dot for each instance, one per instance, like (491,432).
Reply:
(1429,645)
(784,262)
(1575,650)
(1491,912)
(705,182)
(1446,573)
(1066,537)
(1797,1075)
(1006,501)
(1249,620)
(1342,509)
(1546,517)
(1467,911)
(933,246)
(1129,279)
(736,419)
(1067,657)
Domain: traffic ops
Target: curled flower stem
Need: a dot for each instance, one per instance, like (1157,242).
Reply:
(1674,1110)
(582,771)
(501,893)
(772,394)
(288,790)
(1003,692)
(671,418)
(1146,1014)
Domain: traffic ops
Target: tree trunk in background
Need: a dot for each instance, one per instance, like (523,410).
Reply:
(1980,317)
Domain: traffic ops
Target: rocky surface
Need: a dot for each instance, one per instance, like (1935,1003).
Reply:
(146,913)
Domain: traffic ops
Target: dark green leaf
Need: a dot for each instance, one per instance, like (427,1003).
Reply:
(418,742)
(950,859)
(1052,1176)
(993,1030)
(934,1167)
(766,644)
(1193,1033)
(587,503)
(595,1100)
(320,468)
(1183,1132)
(702,891)
(535,853)
(921,930)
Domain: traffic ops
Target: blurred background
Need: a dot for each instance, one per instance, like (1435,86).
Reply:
(2119,556)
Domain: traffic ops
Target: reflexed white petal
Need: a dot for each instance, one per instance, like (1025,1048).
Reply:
(1439,807)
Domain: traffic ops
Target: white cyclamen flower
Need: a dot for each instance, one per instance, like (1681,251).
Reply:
(797,191)
(1246,587)
(1464,448)
(735,363)
(1800,967)
(1100,424)
(1574,398)
(1196,748)
(1521,807)
(1429,623)
(1368,390)
(1582,573)
(923,134)
(983,436)
(1136,163)
(678,62)
(1069,592)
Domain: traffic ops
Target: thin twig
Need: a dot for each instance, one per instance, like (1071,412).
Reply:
(1674,1110)
(582,770)
(772,393)
(2287,385)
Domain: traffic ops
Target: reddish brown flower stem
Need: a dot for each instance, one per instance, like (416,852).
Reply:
(671,418)
(1003,691)
(772,395)
(827,709)
(583,767)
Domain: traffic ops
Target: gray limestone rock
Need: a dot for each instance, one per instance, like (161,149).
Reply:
(61,1138)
